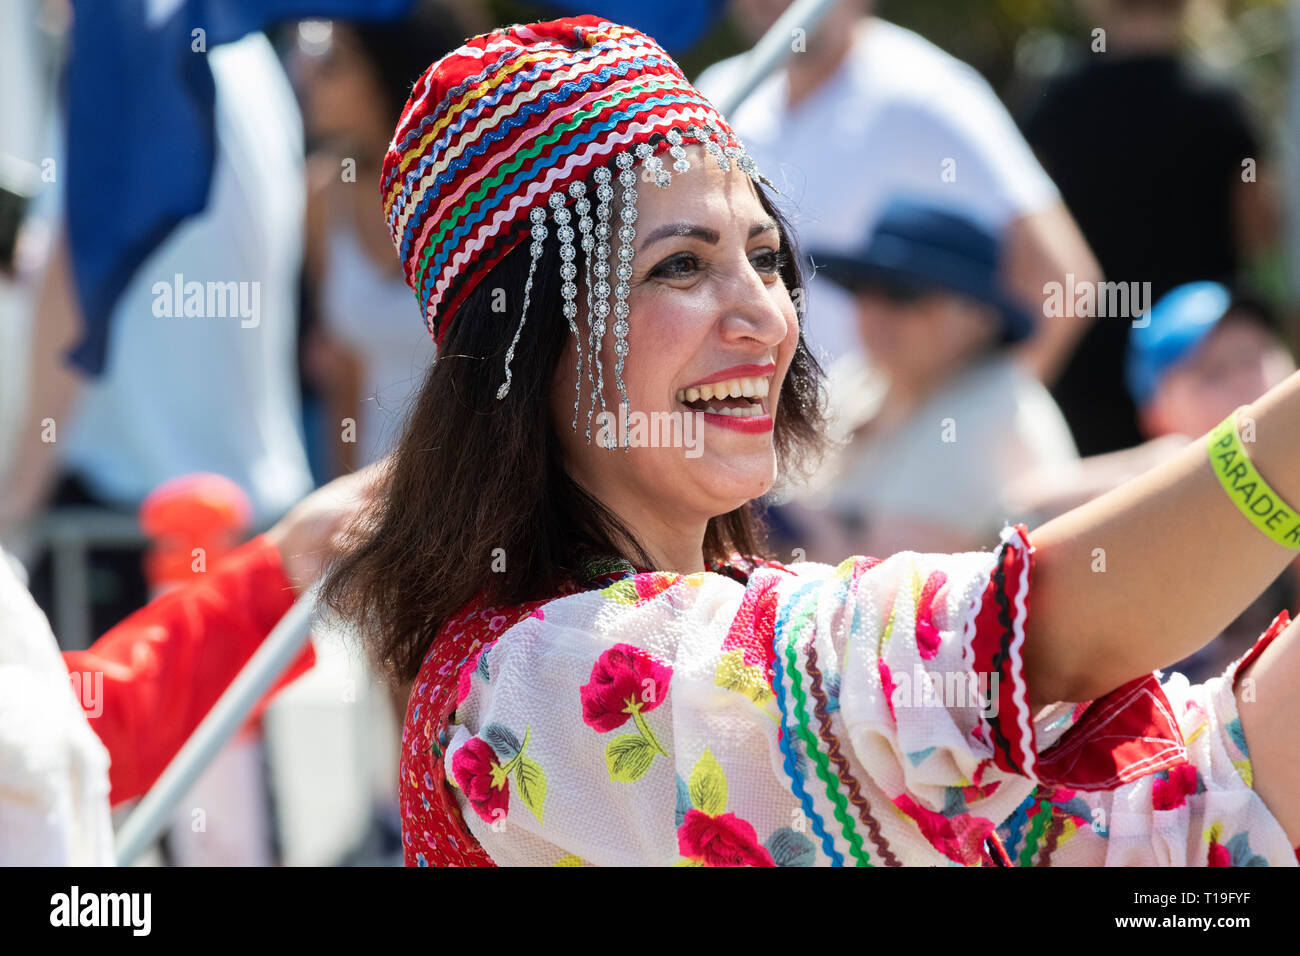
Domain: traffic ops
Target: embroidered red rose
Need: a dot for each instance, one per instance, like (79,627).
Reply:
(1173,793)
(928,637)
(624,680)
(1219,855)
(722,840)
(488,792)
(960,838)
(888,686)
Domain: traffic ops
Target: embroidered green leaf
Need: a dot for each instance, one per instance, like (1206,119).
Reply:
(628,757)
(1237,735)
(733,674)
(683,801)
(708,786)
(790,848)
(624,592)
(530,785)
(503,740)
(690,863)
(917,756)
(569,860)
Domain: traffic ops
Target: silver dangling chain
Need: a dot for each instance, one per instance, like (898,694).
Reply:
(538,217)
(604,193)
(595,244)
(578,190)
(651,161)
(569,288)
(677,151)
(626,236)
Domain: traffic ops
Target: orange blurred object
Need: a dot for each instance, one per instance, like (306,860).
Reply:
(193,521)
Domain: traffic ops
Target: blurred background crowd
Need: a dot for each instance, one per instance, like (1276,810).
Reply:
(1050,242)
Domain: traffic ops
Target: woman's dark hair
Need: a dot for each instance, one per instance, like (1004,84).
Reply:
(475,480)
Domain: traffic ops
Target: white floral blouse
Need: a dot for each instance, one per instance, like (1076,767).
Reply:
(870,714)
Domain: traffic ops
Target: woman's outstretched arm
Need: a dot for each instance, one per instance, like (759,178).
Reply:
(1140,577)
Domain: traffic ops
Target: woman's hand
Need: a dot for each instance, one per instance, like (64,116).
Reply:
(315,528)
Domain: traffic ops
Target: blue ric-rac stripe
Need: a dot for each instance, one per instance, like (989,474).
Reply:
(509,89)
(1016,825)
(452,243)
(495,135)
(416,221)
(451,98)
(791,768)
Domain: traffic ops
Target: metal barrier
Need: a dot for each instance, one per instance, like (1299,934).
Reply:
(773,49)
(272,659)
(69,534)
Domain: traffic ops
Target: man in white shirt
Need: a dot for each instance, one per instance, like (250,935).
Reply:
(869,110)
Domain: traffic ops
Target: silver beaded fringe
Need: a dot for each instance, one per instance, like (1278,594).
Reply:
(595,239)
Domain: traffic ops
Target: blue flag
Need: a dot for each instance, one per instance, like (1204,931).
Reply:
(676,25)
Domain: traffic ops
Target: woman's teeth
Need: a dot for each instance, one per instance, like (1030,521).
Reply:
(750,412)
(735,388)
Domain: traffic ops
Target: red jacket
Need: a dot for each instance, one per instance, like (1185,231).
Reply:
(166,665)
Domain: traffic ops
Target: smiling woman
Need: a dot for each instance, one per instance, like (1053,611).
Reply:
(605,671)
(710,312)
(537,501)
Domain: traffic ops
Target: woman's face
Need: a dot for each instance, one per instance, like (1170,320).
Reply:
(709,312)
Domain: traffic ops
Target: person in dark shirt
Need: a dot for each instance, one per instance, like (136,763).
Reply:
(1159,165)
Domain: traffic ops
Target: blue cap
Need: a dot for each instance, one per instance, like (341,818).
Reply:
(1178,324)
(921,244)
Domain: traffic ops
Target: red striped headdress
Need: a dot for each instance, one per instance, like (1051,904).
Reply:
(508,129)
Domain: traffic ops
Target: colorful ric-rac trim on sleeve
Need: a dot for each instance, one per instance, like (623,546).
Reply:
(998,649)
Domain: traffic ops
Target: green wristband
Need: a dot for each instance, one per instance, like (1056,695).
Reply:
(1248,491)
